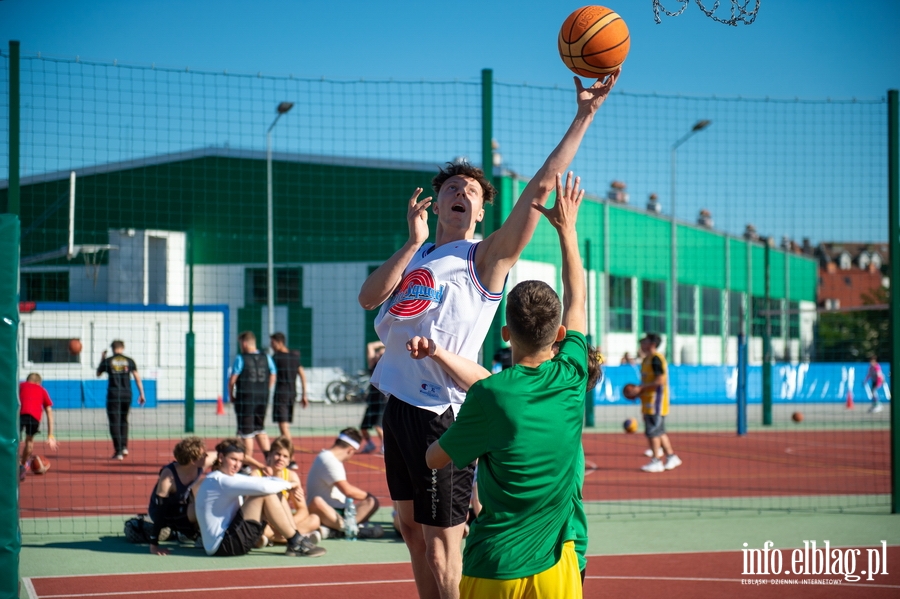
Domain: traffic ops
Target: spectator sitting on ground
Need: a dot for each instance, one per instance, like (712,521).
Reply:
(171,504)
(232,510)
(329,488)
(281,455)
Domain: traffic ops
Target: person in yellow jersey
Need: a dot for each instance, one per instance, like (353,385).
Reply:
(654,393)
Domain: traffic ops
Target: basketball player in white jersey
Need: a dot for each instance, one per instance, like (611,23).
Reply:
(448,291)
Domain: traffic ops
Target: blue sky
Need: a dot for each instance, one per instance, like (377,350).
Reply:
(749,167)
(796,48)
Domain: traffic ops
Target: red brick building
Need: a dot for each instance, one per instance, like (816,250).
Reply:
(848,271)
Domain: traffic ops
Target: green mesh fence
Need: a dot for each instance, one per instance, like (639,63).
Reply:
(779,236)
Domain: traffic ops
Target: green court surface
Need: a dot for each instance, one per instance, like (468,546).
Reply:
(660,532)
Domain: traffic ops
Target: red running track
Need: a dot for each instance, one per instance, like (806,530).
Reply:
(676,576)
(84,481)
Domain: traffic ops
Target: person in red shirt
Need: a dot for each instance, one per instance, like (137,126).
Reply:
(33,399)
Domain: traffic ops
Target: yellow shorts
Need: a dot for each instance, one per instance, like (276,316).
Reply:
(562,581)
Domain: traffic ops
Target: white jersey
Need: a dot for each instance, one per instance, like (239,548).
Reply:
(324,474)
(439,297)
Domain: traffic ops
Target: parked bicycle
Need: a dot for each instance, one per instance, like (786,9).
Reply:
(348,388)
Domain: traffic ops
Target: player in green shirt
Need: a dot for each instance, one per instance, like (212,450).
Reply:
(524,425)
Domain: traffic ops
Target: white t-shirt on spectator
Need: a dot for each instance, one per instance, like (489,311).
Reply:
(325,471)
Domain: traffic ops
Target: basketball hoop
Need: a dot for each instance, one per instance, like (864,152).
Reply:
(93,257)
(739,12)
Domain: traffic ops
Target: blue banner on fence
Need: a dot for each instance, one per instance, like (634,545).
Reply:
(92,394)
(791,383)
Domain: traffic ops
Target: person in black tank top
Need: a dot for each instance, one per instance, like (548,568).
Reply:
(252,377)
(120,369)
(288,367)
(171,503)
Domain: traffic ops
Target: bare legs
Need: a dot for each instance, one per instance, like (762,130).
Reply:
(435,554)
(330,518)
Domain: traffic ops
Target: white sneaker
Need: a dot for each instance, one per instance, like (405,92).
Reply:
(314,537)
(673,462)
(323,532)
(124,451)
(876,408)
(649,453)
(655,465)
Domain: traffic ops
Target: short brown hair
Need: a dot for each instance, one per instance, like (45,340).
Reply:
(117,344)
(189,450)
(282,443)
(227,446)
(464,169)
(34,378)
(654,339)
(246,336)
(533,312)
(349,432)
(278,338)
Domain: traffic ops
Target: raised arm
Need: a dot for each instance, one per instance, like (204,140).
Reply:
(382,282)
(563,216)
(462,370)
(500,251)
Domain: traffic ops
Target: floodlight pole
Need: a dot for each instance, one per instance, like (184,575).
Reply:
(673,243)
(281,109)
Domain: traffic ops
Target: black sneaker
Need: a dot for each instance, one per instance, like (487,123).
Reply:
(293,465)
(305,549)
(246,470)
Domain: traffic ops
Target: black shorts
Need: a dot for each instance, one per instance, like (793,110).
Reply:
(251,418)
(29,424)
(283,408)
(241,536)
(440,497)
(375,402)
(654,425)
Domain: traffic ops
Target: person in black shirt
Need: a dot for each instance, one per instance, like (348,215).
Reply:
(287,365)
(252,377)
(120,369)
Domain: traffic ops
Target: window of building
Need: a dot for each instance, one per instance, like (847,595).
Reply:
(794,320)
(774,310)
(712,311)
(620,305)
(50,351)
(287,286)
(653,304)
(45,286)
(687,310)
(735,313)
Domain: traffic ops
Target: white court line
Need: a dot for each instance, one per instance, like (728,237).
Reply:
(29,588)
(221,589)
(693,579)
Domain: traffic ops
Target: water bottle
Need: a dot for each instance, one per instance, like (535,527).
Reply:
(351,529)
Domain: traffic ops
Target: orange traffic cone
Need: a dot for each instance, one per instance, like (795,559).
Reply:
(849,399)
(220,406)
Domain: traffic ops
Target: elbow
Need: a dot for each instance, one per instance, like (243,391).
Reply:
(366,302)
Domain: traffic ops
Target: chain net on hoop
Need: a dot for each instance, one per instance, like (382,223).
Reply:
(739,12)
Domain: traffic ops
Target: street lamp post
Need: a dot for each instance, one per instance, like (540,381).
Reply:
(281,109)
(673,245)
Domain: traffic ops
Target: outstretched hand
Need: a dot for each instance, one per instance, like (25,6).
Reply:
(564,212)
(417,217)
(421,347)
(53,443)
(591,98)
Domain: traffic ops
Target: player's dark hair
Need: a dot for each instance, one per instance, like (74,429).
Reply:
(117,344)
(34,378)
(278,337)
(653,338)
(189,450)
(282,443)
(246,336)
(227,446)
(595,361)
(349,432)
(533,312)
(465,169)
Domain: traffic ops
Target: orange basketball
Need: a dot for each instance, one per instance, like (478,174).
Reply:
(39,465)
(631,391)
(75,346)
(630,426)
(797,416)
(594,41)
